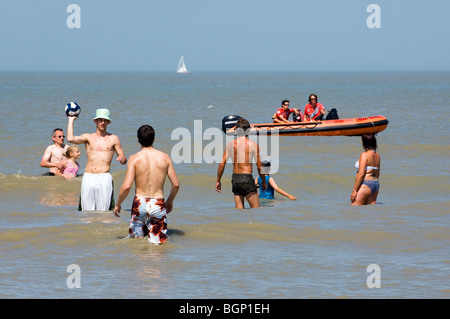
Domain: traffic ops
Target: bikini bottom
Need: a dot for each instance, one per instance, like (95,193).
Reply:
(373,185)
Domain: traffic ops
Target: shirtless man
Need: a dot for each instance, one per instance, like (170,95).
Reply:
(54,154)
(97,184)
(243,151)
(148,168)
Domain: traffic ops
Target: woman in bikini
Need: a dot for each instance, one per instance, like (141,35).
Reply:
(367,185)
(70,166)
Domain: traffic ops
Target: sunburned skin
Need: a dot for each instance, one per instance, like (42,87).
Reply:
(100,152)
(100,147)
(54,154)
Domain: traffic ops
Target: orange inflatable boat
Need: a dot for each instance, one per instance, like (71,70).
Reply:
(339,127)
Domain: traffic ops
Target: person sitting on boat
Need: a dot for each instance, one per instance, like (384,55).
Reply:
(314,111)
(282,114)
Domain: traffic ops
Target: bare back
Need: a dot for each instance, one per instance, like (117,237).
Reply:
(150,170)
(371,159)
(244,153)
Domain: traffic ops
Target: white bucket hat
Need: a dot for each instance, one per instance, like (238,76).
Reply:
(102,114)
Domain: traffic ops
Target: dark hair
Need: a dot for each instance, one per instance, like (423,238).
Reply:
(242,126)
(57,129)
(146,135)
(312,94)
(265,163)
(369,141)
(284,101)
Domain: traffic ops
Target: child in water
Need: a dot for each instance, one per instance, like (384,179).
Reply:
(271,185)
(70,165)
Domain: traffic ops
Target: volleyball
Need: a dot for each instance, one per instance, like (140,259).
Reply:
(72,109)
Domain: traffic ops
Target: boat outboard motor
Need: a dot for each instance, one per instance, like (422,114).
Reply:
(229,122)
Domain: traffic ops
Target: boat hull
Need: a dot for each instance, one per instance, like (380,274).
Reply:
(340,127)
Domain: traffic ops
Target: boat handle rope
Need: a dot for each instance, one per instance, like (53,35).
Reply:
(312,127)
(373,124)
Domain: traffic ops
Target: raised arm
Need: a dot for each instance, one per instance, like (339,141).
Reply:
(70,137)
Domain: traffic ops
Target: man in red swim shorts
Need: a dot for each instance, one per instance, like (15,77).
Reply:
(148,169)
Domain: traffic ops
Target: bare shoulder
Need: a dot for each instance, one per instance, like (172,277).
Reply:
(162,155)
(88,136)
(253,145)
(134,157)
(113,136)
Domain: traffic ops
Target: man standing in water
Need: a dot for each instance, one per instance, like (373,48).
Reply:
(148,168)
(97,184)
(243,151)
(54,154)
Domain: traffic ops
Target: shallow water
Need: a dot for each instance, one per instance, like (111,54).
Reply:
(316,247)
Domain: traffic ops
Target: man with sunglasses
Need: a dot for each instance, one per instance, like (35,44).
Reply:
(314,111)
(282,114)
(54,154)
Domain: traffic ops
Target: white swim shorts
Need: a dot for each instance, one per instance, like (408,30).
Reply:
(97,192)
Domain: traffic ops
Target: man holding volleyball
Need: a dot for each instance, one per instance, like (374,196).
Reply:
(97,184)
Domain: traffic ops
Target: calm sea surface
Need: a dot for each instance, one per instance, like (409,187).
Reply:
(316,247)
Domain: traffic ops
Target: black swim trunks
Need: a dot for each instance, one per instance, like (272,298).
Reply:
(48,174)
(243,184)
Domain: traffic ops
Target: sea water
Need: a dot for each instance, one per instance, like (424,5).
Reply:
(315,247)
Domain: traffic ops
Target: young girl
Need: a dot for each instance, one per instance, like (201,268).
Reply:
(271,185)
(70,166)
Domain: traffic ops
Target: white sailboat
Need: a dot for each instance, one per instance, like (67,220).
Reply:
(182,67)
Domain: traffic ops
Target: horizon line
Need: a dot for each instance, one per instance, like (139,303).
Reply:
(223,71)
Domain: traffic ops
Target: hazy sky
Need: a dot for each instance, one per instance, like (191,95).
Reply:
(225,35)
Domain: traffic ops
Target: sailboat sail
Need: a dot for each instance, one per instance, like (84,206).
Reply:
(182,67)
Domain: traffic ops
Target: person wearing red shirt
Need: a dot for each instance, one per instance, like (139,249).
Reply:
(282,114)
(314,111)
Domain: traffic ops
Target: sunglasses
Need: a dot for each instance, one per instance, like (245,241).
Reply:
(60,136)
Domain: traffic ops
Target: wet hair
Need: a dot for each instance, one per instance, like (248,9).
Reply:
(242,126)
(146,135)
(312,94)
(369,141)
(69,150)
(284,101)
